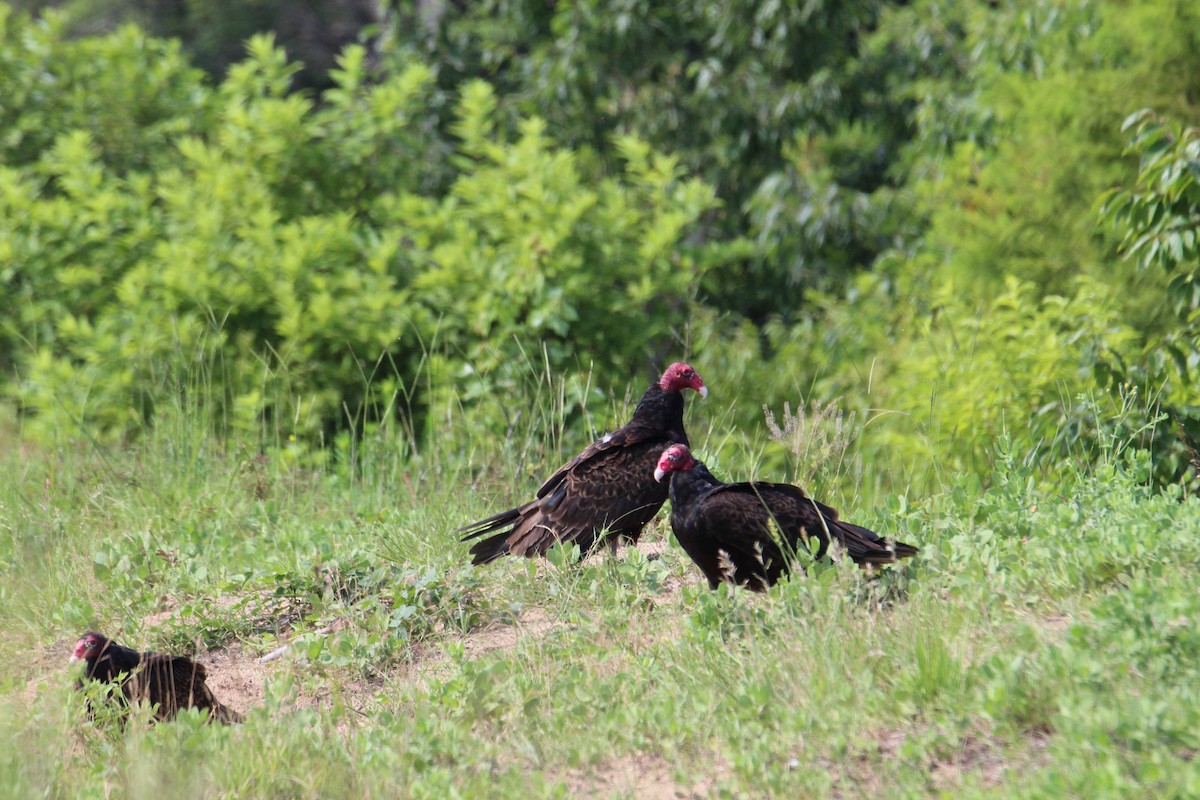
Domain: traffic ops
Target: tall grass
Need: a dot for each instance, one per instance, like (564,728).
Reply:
(1038,644)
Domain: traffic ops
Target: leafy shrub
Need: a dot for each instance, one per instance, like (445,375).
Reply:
(132,94)
(1159,226)
(287,266)
(1005,308)
(526,246)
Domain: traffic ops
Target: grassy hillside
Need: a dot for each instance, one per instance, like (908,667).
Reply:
(262,350)
(1042,643)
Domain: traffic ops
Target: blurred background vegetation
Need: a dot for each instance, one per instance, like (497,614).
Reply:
(308,222)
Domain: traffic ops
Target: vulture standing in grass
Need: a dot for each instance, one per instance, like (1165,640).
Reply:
(169,683)
(748,533)
(608,491)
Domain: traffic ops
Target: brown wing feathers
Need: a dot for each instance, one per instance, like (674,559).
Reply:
(745,532)
(604,493)
(601,495)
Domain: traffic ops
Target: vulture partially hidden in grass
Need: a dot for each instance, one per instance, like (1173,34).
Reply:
(734,531)
(606,492)
(169,683)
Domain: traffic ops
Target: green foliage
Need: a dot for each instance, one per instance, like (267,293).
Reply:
(414,242)
(523,247)
(1012,363)
(413,237)
(774,104)
(934,387)
(1159,223)
(287,265)
(1005,305)
(212,33)
(130,93)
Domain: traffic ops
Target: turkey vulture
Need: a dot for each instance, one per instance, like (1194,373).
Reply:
(167,682)
(607,489)
(732,530)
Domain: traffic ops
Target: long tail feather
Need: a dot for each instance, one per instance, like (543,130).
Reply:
(493,547)
(867,547)
(489,549)
(495,522)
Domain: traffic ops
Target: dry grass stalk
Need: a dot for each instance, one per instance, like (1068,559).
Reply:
(820,440)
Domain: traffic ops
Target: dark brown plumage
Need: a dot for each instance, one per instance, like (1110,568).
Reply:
(734,531)
(606,491)
(169,683)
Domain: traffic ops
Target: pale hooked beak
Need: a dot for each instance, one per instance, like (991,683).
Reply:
(74,659)
(658,474)
(703,391)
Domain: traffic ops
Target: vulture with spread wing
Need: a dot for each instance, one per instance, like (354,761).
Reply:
(748,533)
(605,493)
(169,683)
